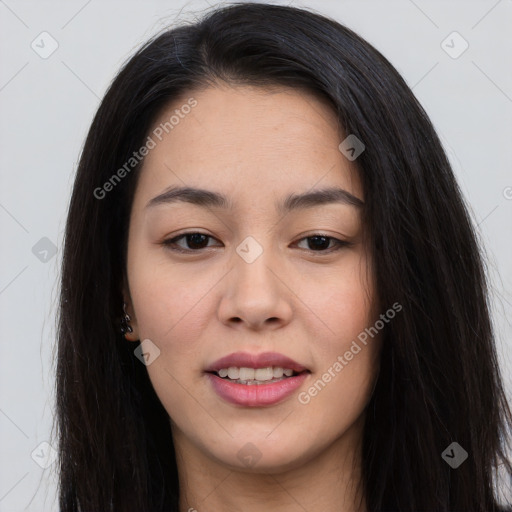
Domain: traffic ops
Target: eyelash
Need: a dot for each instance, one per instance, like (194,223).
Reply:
(171,243)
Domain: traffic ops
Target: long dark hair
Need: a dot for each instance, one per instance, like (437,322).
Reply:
(439,380)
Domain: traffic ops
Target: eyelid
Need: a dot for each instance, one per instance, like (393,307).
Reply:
(168,243)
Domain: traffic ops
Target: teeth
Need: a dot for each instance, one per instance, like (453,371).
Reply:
(258,374)
(246,374)
(233,373)
(263,374)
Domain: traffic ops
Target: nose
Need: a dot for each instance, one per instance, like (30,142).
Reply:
(256,294)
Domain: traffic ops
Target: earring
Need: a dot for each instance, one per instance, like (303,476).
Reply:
(125,327)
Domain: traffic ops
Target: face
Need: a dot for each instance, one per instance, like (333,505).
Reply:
(280,284)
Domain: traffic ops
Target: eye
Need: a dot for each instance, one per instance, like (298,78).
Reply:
(320,243)
(196,241)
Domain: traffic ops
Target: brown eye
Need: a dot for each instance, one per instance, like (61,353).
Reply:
(321,243)
(194,242)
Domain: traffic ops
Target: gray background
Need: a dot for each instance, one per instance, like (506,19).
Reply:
(48,103)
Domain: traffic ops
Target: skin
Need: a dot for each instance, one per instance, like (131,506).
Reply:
(256,146)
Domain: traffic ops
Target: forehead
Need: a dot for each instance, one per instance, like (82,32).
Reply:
(253,144)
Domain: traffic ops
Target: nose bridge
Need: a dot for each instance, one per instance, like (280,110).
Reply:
(254,292)
(253,259)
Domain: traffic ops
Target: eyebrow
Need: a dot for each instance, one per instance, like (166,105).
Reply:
(209,198)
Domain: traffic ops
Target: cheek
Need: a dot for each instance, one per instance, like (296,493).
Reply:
(172,311)
(171,306)
(347,360)
(336,399)
(344,304)
(174,305)
(346,355)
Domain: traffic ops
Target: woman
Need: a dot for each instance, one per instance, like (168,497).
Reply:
(272,294)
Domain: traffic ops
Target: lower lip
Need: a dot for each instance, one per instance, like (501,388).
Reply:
(256,395)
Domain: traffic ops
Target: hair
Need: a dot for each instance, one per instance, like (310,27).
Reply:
(439,378)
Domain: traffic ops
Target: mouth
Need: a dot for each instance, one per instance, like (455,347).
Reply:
(256,376)
(256,380)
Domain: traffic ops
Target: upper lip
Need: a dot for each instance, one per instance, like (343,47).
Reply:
(247,360)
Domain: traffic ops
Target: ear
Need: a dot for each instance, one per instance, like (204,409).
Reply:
(134,335)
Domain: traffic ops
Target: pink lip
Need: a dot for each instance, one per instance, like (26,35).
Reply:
(244,359)
(255,395)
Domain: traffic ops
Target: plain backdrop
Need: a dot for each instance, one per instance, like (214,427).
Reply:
(48,101)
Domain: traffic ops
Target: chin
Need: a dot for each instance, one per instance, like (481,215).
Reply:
(260,455)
